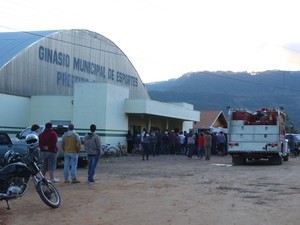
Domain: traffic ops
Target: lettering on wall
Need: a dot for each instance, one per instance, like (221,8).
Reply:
(64,60)
(88,67)
(68,80)
(54,57)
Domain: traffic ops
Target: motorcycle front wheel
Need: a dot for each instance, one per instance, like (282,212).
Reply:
(49,194)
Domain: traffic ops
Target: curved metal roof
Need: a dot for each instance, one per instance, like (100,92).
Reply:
(12,43)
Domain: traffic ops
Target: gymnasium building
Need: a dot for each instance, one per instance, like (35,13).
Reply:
(80,77)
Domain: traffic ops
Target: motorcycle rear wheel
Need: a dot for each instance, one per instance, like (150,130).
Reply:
(49,194)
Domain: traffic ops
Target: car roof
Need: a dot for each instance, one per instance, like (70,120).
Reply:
(59,129)
(53,125)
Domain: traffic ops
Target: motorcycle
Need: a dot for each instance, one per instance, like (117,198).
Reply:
(19,170)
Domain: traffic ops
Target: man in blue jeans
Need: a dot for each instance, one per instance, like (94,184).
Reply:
(71,146)
(92,145)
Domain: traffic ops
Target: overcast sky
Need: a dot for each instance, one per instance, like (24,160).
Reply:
(167,38)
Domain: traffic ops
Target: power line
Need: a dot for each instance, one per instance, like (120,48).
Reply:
(68,42)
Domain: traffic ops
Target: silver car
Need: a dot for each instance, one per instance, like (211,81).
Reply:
(59,130)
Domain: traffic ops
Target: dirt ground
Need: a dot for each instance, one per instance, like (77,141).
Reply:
(169,190)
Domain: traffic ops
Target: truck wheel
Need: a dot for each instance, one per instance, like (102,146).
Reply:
(238,160)
(60,163)
(82,163)
(276,160)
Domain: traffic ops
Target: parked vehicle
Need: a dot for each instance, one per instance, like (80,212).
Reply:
(257,135)
(294,144)
(18,170)
(59,130)
(6,144)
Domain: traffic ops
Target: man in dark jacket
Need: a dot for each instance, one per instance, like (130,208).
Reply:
(47,143)
(92,145)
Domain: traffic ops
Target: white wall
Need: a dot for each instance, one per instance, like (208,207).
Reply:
(187,125)
(47,108)
(183,111)
(101,104)
(89,105)
(116,117)
(14,113)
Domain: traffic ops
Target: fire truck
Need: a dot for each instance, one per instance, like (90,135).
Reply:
(257,135)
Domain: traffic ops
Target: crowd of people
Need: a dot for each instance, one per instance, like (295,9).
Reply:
(152,143)
(155,143)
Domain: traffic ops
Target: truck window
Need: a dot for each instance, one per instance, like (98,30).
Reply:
(60,131)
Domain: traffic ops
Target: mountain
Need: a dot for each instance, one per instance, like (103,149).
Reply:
(216,90)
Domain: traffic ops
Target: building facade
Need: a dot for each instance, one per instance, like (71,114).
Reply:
(80,77)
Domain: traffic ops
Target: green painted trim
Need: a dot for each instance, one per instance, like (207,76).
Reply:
(81,132)
(105,134)
(99,130)
(12,131)
(5,127)
(112,135)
